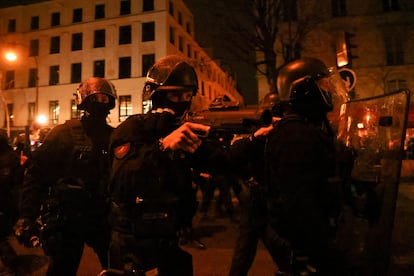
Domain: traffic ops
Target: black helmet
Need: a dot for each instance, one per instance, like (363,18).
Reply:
(297,84)
(93,86)
(170,73)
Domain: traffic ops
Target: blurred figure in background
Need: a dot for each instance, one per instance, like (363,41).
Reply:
(11,176)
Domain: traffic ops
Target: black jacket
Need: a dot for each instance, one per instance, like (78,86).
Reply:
(142,170)
(300,159)
(73,153)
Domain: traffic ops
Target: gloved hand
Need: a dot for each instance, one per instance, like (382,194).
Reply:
(27,232)
(185,138)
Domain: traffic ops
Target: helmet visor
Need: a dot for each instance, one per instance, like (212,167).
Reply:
(180,96)
(339,94)
(99,97)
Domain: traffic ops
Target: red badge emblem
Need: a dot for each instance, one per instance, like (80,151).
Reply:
(122,150)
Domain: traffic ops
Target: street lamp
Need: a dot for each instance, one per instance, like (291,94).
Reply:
(11,55)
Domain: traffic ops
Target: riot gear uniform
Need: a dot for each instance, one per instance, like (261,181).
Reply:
(171,73)
(300,160)
(297,84)
(254,224)
(151,182)
(93,87)
(65,184)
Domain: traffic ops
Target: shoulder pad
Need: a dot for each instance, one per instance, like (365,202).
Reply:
(121,151)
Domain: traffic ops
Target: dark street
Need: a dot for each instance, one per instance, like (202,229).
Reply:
(219,235)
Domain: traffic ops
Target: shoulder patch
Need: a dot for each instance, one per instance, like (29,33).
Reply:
(121,151)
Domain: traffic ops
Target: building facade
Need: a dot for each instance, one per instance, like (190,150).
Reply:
(59,43)
(375,35)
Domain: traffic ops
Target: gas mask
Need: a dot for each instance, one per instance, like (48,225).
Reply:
(97,109)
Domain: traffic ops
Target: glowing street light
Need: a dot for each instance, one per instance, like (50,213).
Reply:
(10,56)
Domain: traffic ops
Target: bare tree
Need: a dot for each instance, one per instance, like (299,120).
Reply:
(271,29)
(266,34)
(266,16)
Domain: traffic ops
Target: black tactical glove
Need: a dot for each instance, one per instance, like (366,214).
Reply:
(27,232)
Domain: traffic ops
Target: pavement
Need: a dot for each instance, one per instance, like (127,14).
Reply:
(219,235)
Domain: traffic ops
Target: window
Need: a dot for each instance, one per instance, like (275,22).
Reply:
(10,109)
(124,34)
(395,85)
(390,5)
(55,19)
(125,107)
(75,113)
(147,5)
(31,107)
(54,75)
(338,8)
(77,15)
(180,44)
(202,64)
(10,78)
(180,18)
(76,73)
(55,45)
(99,39)
(394,49)
(32,77)
(147,62)
(188,28)
(99,68)
(34,23)
(99,11)
(203,90)
(171,8)
(77,41)
(54,111)
(124,67)
(11,27)
(189,50)
(172,35)
(34,48)
(148,31)
(125,7)
(289,11)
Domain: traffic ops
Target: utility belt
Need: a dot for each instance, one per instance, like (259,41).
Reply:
(76,199)
(147,218)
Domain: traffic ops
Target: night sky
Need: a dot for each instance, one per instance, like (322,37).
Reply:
(211,20)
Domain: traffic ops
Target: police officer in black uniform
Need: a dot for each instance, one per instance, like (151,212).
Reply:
(300,160)
(254,224)
(65,184)
(151,182)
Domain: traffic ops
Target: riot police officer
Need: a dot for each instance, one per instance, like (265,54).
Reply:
(65,183)
(254,224)
(300,160)
(151,181)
